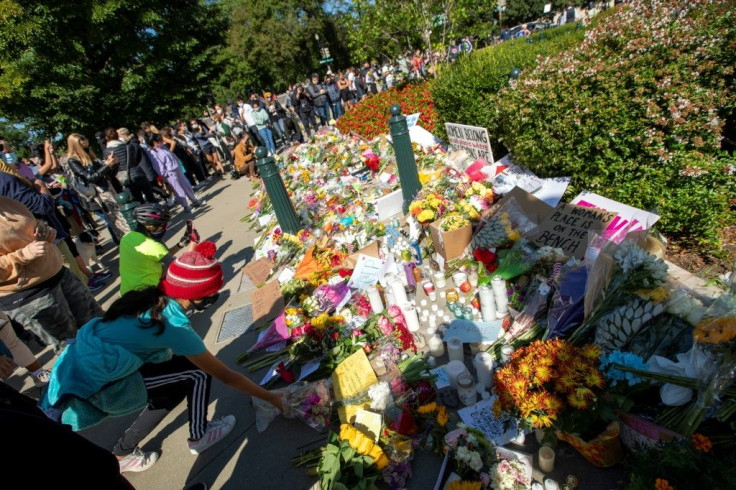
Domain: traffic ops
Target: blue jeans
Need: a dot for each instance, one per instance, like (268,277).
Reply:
(323,112)
(267,136)
(337,110)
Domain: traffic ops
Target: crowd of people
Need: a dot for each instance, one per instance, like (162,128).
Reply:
(141,354)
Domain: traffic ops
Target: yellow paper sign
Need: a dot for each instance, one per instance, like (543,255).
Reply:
(352,376)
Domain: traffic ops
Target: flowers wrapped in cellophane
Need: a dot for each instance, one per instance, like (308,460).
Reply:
(310,402)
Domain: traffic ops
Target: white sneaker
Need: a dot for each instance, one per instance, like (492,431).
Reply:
(42,378)
(138,461)
(217,429)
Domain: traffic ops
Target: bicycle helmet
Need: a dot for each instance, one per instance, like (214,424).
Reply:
(151,214)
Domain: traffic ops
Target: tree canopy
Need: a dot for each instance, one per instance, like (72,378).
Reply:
(81,66)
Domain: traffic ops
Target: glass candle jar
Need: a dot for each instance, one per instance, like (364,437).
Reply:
(466,389)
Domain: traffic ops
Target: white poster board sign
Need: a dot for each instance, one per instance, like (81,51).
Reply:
(389,205)
(473,139)
(411,120)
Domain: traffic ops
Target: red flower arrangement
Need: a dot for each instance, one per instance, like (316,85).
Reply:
(370,118)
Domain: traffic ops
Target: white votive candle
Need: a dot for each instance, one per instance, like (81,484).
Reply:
(455,369)
(546,461)
(410,314)
(455,349)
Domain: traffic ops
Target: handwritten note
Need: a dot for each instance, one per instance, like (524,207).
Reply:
(352,376)
(366,272)
(469,331)
(258,271)
(480,416)
(267,302)
(369,422)
(568,227)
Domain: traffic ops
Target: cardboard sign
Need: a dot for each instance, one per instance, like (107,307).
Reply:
(568,226)
(473,139)
(534,209)
(352,377)
(371,250)
(267,303)
(629,218)
(258,271)
(469,331)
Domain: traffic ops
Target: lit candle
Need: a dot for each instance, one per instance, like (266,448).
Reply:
(547,461)
(432,295)
(455,369)
(455,349)
(410,315)
(483,363)
(374,296)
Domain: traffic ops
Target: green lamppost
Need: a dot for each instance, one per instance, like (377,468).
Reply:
(282,205)
(408,175)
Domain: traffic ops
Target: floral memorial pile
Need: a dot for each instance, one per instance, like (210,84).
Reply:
(490,310)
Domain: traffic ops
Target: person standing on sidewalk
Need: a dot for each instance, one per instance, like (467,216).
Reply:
(263,124)
(144,354)
(168,166)
(36,290)
(318,94)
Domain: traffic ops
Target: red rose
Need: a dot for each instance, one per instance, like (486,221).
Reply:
(335,335)
(491,268)
(484,256)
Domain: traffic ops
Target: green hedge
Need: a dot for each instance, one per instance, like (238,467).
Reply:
(636,113)
(461,90)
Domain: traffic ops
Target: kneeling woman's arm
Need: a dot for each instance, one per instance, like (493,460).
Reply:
(217,369)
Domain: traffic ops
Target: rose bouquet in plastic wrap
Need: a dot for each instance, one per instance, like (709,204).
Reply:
(325,299)
(310,402)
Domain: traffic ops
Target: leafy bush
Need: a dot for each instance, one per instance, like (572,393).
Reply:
(370,118)
(636,113)
(461,89)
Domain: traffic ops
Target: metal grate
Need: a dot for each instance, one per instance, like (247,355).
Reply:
(235,323)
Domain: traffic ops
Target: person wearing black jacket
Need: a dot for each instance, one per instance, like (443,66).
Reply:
(131,167)
(92,172)
(318,94)
(306,110)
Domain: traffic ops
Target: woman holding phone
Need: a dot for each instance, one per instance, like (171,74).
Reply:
(100,175)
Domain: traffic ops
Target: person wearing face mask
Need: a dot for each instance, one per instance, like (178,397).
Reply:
(144,354)
(92,172)
(168,166)
(142,252)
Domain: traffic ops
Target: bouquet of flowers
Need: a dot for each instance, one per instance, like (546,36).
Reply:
(325,299)
(507,474)
(470,452)
(507,225)
(429,208)
(633,270)
(453,221)
(310,403)
(544,380)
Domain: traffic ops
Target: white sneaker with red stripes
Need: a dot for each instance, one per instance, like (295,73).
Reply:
(217,429)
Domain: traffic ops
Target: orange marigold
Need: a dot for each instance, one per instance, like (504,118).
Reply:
(662,484)
(702,443)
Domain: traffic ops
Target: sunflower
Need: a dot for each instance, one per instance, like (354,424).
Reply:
(442,416)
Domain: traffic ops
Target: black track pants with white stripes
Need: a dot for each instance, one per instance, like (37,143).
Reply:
(168,383)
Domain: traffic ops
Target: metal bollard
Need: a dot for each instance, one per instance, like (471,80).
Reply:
(408,174)
(282,205)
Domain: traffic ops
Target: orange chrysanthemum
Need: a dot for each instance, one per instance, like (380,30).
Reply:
(715,330)
(702,443)
(662,484)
